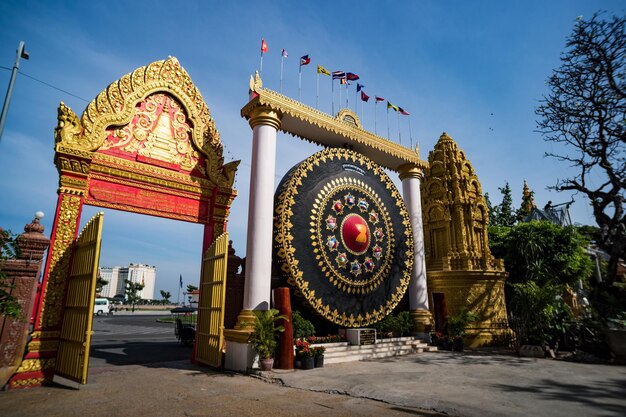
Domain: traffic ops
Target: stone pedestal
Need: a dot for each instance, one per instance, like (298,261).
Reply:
(23,274)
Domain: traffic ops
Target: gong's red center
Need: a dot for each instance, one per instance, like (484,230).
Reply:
(355,233)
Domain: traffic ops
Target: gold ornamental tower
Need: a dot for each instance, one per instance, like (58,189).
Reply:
(462,273)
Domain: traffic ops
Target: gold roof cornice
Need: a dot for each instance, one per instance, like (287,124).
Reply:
(318,127)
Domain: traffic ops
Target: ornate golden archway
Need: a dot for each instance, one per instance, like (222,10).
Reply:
(146,144)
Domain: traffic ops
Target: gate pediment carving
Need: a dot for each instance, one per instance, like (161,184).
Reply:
(120,105)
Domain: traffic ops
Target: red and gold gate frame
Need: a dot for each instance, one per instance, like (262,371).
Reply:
(146,144)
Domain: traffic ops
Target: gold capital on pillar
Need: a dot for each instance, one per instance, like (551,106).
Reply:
(264,115)
(422,320)
(410,171)
(243,329)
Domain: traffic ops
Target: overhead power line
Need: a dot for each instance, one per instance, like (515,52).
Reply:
(47,84)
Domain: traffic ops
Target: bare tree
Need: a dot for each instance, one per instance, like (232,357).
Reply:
(586,112)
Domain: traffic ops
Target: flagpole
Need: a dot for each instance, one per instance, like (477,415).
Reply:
(375,106)
(261,69)
(388,135)
(347,102)
(356,103)
(340,94)
(332,94)
(178,297)
(299,80)
(399,133)
(317,94)
(282,60)
(410,134)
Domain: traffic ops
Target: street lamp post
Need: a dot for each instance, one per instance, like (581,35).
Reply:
(21,53)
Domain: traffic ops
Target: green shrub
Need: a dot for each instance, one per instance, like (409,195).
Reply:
(302,328)
(399,325)
(457,324)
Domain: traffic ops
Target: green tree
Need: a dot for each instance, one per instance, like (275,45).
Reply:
(100,283)
(132,292)
(543,252)
(584,115)
(505,213)
(191,288)
(539,312)
(9,305)
(166,296)
(592,233)
(498,240)
(541,259)
(528,203)
(491,209)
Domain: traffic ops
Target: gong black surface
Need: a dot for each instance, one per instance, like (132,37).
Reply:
(343,237)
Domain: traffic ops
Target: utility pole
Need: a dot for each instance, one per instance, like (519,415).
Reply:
(21,53)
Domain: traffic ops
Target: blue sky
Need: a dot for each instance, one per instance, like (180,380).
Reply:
(476,70)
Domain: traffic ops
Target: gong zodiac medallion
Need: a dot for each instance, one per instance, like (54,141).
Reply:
(343,237)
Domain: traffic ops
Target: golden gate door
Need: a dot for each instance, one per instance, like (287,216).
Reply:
(210,327)
(76,329)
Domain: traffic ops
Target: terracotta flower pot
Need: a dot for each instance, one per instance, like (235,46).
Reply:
(266,364)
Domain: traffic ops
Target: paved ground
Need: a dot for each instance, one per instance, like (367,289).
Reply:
(458,384)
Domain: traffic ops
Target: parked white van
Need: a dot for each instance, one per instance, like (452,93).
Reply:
(101,306)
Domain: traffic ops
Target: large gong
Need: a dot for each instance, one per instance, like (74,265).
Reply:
(343,237)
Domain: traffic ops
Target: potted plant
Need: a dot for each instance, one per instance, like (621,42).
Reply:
(264,336)
(304,354)
(457,324)
(318,354)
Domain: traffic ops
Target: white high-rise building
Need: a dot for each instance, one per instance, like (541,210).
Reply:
(137,273)
(110,274)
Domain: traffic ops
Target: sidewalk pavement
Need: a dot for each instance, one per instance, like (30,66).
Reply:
(473,383)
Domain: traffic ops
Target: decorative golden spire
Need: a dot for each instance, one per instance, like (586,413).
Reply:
(528,202)
(455,212)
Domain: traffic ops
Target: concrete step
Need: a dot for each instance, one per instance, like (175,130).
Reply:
(383,348)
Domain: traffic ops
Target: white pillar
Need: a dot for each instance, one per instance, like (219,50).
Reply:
(265,123)
(418,291)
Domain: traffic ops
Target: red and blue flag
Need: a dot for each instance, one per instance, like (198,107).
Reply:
(305,60)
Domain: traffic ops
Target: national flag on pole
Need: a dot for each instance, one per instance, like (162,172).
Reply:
(404,112)
(322,70)
(364,96)
(263,46)
(378,99)
(359,87)
(343,81)
(305,60)
(391,106)
(283,53)
(351,76)
(181,280)
(337,75)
